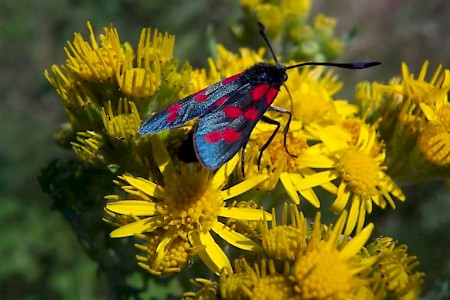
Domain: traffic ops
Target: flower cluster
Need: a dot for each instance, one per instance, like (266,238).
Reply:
(288,22)
(333,154)
(317,262)
(414,118)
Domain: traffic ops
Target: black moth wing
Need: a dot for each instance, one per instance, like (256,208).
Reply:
(190,107)
(221,133)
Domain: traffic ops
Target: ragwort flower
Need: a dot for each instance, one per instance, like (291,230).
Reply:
(182,213)
(329,267)
(359,172)
(394,274)
(284,240)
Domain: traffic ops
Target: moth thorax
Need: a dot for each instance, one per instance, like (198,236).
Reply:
(267,73)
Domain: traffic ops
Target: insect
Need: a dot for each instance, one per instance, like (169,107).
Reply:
(228,110)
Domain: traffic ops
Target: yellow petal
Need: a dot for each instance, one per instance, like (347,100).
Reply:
(315,161)
(361,216)
(329,186)
(225,171)
(333,137)
(289,187)
(336,233)
(144,185)
(341,198)
(353,215)
(235,238)
(316,180)
(144,225)
(311,197)
(355,244)
(162,157)
(248,214)
(136,207)
(213,256)
(164,247)
(244,186)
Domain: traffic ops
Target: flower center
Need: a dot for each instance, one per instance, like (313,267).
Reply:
(321,274)
(176,258)
(277,151)
(283,242)
(273,287)
(359,171)
(191,200)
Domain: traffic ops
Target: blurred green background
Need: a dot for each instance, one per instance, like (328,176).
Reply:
(41,258)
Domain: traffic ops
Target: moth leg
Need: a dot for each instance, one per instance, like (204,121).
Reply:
(286,128)
(243,159)
(269,140)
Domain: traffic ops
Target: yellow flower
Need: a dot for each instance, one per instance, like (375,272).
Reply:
(329,266)
(123,125)
(231,64)
(264,282)
(140,76)
(279,165)
(434,139)
(413,118)
(419,92)
(360,174)
(284,241)
(394,270)
(94,62)
(187,206)
(88,147)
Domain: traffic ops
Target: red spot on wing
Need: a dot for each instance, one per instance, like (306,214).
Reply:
(232,112)
(213,137)
(230,79)
(259,91)
(221,101)
(199,97)
(271,94)
(230,135)
(174,108)
(251,114)
(173,112)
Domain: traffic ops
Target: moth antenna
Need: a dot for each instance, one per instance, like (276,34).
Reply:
(262,32)
(288,124)
(352,65)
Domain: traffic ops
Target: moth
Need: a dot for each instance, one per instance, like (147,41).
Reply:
(228,110)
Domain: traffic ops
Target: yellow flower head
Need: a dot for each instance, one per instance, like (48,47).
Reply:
(326,265)
(328,268)
(434,139)
(284,241)
(123,125)
(359,171)
(89,147)
(266,283)
(419,92)
(94,62)
(394,270)
(289,168)
(187,206)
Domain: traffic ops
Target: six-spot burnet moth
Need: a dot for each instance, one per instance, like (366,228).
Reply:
(228,110)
